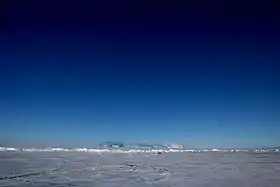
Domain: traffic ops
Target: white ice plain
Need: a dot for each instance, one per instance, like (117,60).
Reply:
(208,169)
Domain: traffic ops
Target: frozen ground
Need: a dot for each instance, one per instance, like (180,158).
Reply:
(139,170)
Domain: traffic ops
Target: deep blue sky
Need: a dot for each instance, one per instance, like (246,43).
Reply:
(205,75)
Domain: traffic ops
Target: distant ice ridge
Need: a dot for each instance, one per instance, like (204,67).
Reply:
(8,149)
(175,149)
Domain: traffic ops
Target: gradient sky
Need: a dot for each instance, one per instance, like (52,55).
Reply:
(204,75)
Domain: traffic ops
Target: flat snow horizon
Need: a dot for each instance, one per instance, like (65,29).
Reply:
(213,169)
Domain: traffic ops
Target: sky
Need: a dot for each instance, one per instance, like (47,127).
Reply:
(77,74)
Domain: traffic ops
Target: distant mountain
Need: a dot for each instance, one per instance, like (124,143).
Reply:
(175,146)
(276,147)
(268,147)
(150,146)
(111,144)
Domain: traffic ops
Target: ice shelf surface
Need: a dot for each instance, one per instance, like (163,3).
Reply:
(211,169)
